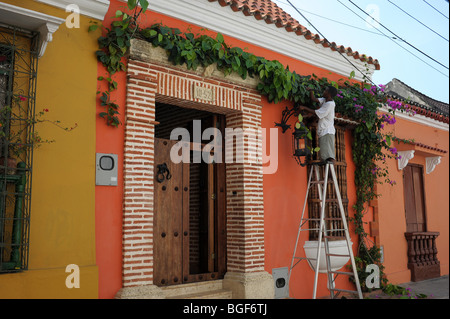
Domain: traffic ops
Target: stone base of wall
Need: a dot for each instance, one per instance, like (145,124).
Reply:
(254,285)
(141,292)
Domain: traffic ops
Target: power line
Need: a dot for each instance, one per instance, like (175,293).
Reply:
(418,20)
(399,36)
(435,9)
(336,21)
(393,40)
(328,42)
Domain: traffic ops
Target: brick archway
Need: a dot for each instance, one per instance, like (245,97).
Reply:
(152,79)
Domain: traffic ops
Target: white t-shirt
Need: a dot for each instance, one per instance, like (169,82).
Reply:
(326,117)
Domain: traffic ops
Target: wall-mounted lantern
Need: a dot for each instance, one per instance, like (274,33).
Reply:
(299,143)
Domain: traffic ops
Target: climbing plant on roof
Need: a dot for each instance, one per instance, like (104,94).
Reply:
(357,101)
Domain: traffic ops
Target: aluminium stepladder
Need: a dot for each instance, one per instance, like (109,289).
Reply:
(323,233)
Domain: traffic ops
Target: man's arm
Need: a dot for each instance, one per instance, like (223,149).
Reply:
(311,95)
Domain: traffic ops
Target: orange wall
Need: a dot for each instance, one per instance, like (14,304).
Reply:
(284,191)
(392,208)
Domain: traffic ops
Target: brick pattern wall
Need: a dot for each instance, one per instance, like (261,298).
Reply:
(148,82)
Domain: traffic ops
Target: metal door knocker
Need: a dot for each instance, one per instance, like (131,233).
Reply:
(162,169)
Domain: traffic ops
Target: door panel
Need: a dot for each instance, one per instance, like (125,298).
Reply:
(168,219)
(189,217)
(414,198)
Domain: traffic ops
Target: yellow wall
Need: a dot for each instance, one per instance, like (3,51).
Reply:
(62,227)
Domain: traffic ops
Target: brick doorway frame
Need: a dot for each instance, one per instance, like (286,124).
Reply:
(150,79)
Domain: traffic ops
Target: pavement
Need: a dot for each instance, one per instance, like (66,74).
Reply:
(436,288)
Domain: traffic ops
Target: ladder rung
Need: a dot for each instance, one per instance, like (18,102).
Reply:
(333,237)
(315,229)
(321,182)
(327,200)
(345,290)
(342,273)
(338,255)
(301,258)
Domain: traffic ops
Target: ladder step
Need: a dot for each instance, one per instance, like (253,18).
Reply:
(345,290)
(338,255)
(321,182)
(301,258)
(318,219)
(334,237)
(328,200)
(342,273)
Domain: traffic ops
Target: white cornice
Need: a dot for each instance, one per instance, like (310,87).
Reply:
(257,32)
(27,19)
(92,8)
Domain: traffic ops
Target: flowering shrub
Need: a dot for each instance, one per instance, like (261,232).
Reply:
(16,127)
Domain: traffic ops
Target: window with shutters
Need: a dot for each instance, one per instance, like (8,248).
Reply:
(331,208)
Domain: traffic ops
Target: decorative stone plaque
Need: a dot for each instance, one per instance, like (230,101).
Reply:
(203,93)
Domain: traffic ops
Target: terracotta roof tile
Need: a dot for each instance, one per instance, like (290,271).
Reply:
(271,13)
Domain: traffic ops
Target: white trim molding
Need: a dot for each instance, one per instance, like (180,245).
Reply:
(92,8)
(31,20)
(432,162)
(406,156)
(418,118)
(212,16)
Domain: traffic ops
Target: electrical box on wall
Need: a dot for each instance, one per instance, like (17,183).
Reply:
(106,169)
(280,279)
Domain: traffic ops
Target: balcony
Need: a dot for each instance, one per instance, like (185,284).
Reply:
(422,255)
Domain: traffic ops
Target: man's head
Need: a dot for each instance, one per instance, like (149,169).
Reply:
(330,92)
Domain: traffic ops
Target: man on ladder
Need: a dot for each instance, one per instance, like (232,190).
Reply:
(326,133)
(325,127)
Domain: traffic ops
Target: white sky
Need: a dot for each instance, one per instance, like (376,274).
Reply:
(413,68)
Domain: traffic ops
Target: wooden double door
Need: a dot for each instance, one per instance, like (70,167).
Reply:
(189,218)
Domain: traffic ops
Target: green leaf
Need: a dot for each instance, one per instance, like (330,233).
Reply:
(219,38)
(144,5)
(119,31)
(352,75)
(297,125)
(300,118)
(93,27)
(131,4)
(388,140)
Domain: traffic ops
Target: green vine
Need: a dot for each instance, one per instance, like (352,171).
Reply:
(358,101)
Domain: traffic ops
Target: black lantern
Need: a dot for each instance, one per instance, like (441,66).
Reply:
(299,143)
